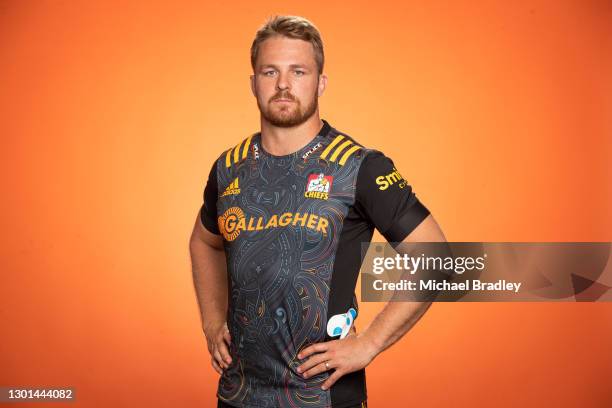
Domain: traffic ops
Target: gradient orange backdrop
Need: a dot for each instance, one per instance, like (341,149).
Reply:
(111,114)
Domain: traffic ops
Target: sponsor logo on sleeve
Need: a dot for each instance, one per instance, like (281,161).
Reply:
(387,180)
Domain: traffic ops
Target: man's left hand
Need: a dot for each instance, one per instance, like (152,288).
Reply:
(352,353)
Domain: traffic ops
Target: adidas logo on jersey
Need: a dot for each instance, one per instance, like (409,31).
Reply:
(318,186)
(232,188)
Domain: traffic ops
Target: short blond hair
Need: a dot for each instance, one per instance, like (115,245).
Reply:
(291,27)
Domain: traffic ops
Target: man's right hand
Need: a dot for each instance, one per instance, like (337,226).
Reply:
(219,339)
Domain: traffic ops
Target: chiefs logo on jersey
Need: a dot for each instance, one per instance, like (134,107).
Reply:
(318,186)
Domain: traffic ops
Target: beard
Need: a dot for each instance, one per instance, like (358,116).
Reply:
(289,115)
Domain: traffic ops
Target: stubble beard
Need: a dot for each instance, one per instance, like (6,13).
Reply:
(289,115)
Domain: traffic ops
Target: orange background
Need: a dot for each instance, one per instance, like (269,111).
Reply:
(498,114)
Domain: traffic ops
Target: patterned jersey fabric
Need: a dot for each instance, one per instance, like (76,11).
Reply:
(292,228)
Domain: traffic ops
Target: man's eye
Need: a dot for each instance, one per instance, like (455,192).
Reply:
(269,73)
(299,72)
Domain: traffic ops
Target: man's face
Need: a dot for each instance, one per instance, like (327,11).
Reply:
(286,82)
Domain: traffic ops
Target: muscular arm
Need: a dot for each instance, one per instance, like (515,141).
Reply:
(210,281)
(397,318)
(357,351)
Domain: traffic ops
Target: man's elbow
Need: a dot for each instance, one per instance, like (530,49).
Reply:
(202,237)
(427,231)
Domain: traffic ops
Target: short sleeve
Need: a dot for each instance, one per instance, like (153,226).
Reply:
(386,199)
(208,212)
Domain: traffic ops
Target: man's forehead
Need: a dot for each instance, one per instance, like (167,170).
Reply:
(279,50)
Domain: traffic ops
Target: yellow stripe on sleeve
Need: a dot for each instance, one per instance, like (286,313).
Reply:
(331,146)
(346,155)
(340,149)
(237,152)
(245,149)
(228,158)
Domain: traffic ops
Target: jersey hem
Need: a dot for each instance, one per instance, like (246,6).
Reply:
(349,403)
(343,404)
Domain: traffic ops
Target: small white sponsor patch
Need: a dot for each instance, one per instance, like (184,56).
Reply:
(340,324)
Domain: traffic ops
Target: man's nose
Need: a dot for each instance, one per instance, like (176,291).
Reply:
(282,82)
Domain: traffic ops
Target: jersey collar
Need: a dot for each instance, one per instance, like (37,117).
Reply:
(311,150)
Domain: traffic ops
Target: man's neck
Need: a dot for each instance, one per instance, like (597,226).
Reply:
(282,141)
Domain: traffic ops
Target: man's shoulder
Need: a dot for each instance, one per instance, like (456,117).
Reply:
(341,147)
(236,153)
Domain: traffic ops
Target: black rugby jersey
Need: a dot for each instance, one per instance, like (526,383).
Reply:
(292,229)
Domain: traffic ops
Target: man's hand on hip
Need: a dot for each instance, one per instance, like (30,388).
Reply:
(352,353)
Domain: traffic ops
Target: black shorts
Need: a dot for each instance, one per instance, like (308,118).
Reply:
(221,404)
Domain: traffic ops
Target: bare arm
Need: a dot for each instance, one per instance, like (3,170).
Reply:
(357,350)
(210,281)
(398,317)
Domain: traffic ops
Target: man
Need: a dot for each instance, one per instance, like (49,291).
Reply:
(276,247)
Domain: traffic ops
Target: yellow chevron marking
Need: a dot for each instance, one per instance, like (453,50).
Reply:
(237,152)
(339,149)
(346,155)
(331,146)
(245,149)
(228,159)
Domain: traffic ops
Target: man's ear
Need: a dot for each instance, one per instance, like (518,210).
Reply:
(322,84)
(252,81)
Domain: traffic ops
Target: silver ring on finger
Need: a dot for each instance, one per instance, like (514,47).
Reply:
(327,365)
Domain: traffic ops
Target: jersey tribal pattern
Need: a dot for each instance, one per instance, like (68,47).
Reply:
(292,228)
